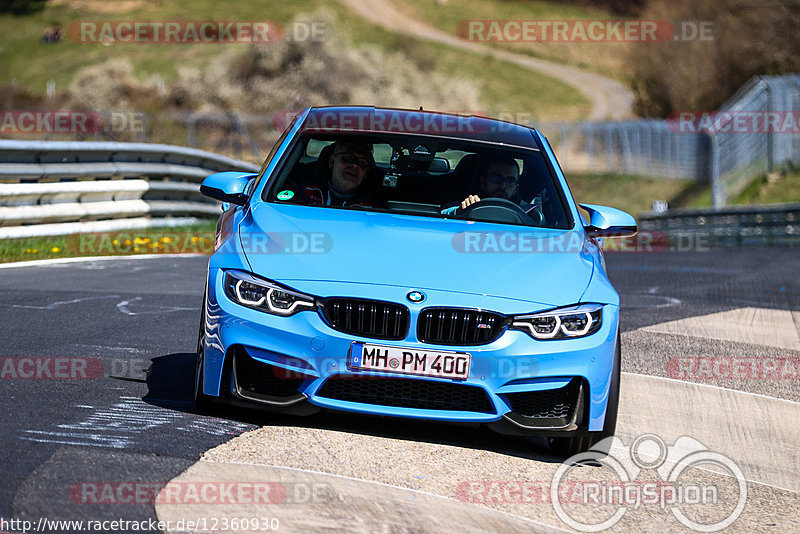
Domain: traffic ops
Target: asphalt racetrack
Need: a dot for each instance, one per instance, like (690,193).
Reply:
(97,370)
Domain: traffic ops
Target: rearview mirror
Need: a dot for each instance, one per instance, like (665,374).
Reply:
(609,222)
(227,186)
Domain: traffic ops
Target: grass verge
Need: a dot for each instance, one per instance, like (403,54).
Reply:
(198,238)
(774,188)
(634,194)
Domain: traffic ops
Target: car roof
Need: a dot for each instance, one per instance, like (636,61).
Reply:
(369,119)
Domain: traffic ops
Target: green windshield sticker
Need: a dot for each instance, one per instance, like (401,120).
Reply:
(285,195)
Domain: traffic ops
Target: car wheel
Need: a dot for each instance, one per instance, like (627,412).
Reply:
(201,400)
(577,444)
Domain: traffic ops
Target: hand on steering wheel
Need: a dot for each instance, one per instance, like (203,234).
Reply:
(497,210)
(467,202)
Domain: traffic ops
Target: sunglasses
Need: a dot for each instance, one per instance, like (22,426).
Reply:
(353,160)
(508,181)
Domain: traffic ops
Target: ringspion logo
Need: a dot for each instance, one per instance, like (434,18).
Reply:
(697,503)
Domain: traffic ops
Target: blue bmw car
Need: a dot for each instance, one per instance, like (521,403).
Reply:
(413,264)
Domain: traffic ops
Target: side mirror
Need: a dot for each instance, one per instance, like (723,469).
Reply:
(227,186)
(609,222)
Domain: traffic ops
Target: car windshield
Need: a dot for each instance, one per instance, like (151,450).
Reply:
(424,176)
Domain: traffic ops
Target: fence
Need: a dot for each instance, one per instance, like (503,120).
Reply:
(642,147)
(58,187)
(727,156)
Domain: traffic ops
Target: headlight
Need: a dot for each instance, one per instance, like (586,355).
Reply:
(573,321)
(263,295)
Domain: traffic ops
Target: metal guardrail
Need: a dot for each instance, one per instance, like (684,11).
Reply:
(777,224)
(58,187)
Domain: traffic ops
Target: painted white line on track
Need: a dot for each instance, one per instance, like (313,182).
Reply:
(123,308)
(58,261)
(56,304)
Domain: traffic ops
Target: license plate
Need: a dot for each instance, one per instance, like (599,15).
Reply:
(366,356)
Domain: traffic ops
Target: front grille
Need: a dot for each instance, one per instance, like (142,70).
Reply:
(407,393)
(557,405)
(254,376)
(458,326)
(367,318)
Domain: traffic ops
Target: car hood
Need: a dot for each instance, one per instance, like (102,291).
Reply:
(291,244)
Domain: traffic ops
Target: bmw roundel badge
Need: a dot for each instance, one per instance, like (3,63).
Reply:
(415,296)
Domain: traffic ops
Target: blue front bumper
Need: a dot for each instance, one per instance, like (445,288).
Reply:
(305,345)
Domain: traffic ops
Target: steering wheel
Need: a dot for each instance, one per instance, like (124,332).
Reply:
(501,210)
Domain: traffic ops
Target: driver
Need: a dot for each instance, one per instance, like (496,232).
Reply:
(500,179)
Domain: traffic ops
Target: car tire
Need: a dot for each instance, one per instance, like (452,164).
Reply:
(202,402)
(577,444)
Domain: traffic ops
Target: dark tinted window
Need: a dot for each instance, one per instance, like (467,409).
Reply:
(424,176)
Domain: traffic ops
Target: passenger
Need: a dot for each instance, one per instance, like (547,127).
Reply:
(349,165)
